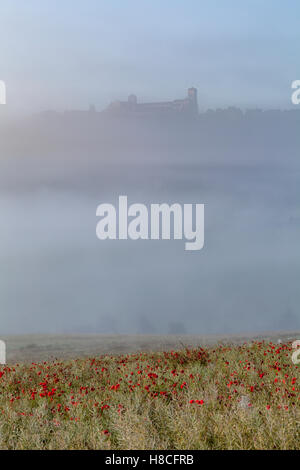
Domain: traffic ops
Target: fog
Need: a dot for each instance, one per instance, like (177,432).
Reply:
(56,276)
(67,54)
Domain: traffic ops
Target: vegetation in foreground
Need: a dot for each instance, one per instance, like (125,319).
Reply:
(227,397)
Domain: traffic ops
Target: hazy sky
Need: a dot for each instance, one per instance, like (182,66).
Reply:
(70,53)
(55,275)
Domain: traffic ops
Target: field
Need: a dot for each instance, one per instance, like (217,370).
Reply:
(37,348)
(227,396)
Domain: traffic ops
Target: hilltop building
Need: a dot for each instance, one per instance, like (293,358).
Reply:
(187,105)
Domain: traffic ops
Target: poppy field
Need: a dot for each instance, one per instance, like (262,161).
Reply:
(222,397)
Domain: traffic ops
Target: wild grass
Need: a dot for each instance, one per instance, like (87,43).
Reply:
(227,397)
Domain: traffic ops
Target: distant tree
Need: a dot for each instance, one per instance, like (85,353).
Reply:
(176,328)
(289,320)
(145,326)
(106,324)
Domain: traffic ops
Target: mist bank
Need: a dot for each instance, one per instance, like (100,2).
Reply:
(76,148)
(57,277)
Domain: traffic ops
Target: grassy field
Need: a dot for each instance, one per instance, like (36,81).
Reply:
(37,348)
(222,397)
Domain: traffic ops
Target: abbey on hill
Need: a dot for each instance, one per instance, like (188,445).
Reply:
(188,105)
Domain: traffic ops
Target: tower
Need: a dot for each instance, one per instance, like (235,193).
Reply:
(132,101)
(193,101)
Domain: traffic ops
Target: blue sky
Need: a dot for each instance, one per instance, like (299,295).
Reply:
(69,53)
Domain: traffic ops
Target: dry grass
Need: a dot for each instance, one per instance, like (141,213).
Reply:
(239,397)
